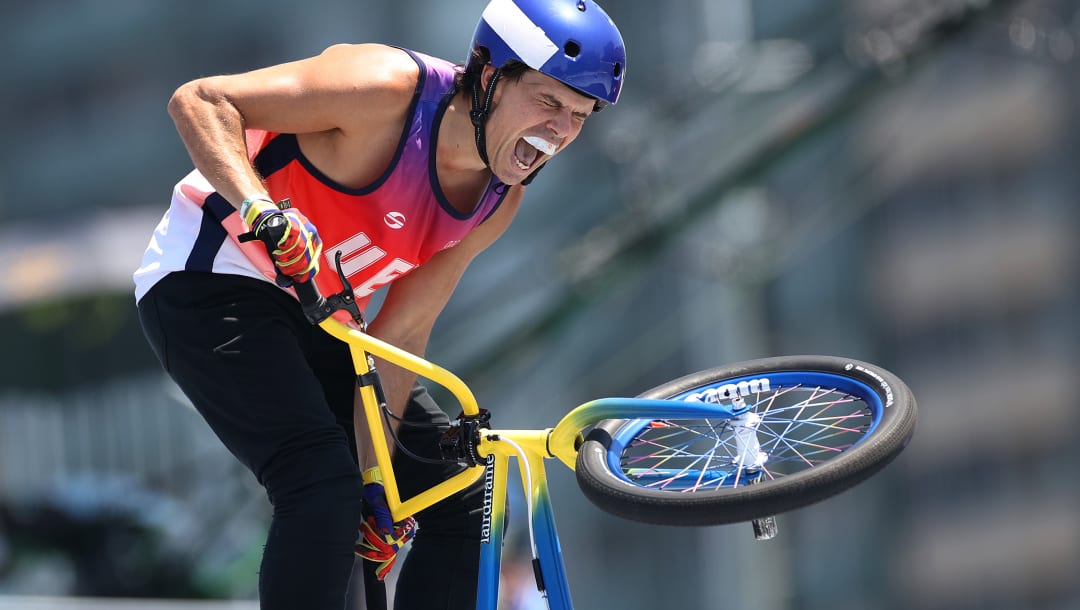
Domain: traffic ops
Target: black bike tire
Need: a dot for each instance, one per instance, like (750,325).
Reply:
(614,494)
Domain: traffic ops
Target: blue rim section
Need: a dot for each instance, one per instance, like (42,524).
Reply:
(777,380)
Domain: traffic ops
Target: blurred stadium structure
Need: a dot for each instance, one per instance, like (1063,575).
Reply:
(892,181)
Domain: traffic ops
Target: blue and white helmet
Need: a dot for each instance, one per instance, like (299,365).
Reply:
(572,41)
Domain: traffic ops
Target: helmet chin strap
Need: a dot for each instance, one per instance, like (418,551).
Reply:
(481,107)
(479,113)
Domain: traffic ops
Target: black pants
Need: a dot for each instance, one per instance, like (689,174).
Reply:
(278,392)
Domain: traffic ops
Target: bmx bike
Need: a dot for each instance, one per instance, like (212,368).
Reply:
(738,443)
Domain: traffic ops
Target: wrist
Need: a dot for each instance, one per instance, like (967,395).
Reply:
(255,206)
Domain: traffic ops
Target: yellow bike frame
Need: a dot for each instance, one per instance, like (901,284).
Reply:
(361,345)
(495,449)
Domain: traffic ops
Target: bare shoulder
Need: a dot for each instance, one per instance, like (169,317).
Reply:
(375,83)
(356,99)
(371,69)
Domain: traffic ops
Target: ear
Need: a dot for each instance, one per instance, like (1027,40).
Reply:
(485,76)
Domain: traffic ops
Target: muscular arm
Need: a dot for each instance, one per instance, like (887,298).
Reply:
(346,90)
(412,305)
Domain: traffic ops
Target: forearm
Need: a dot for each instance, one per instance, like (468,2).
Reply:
(212,130)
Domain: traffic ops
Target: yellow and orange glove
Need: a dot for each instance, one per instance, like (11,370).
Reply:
(380,537)
(296,244)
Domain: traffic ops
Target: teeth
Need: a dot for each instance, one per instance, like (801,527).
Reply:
(520,165)
(541,144)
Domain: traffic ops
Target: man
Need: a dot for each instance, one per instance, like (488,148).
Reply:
(409,167)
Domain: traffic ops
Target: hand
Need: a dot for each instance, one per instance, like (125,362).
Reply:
(296,244)
(380,537)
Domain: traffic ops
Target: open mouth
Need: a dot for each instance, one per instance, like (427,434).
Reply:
(529,150)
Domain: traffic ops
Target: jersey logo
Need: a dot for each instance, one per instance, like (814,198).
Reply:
(358,253)
(394,220)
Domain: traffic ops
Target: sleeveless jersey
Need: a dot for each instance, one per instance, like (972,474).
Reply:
(383,230)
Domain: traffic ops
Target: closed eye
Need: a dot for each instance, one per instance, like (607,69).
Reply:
(555,104)
(550,102)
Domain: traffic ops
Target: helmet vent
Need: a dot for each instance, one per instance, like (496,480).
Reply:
(617,71)
(572,49)
(581,5)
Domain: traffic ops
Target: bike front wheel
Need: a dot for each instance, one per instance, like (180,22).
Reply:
(806,428)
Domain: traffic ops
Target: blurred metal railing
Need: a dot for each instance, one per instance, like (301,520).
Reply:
(134,427)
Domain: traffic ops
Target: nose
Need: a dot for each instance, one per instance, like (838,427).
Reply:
(561,123)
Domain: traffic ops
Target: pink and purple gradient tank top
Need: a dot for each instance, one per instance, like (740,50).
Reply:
(383,230)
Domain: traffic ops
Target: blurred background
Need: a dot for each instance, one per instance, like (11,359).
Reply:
(892,181)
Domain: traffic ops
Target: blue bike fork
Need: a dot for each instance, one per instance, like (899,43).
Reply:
(548,568)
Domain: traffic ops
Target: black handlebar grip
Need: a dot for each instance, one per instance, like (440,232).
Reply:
(309,295)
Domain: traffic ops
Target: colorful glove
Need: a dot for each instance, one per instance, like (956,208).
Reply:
(298,248)
(380,538)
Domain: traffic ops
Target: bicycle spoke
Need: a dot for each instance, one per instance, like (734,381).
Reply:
(797,428)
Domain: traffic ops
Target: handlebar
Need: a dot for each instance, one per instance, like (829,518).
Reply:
(318,308)
(309,294)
